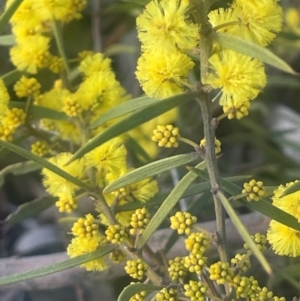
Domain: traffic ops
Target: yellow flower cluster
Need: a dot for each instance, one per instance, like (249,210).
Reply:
(136,268)
(283,239)
(32,21)
(139,220)
(166,136)
(254,190)
(182,222)
(167,294)
(165,32)
(240,77)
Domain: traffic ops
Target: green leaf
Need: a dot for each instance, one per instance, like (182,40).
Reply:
(44,163)
(31,209)
(56,267)
(123,109)
(134,120)
(135,288)
(7,40)
(11,77)
(159,198)
(248,48)
(18,169)
(39,111)
(4,19)
(262,206)
(291,189)
(244,233)
(239,225)
(168,204)
(150,170)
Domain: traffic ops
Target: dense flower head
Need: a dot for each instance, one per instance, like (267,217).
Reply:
(108,158)
(167,294)
(139,220)
(197,243)
(14,118)
(283,239)
(27,86)
(176,269)
(260,241)
(84,245)
(56,64)
(40,148)
(239,77)
(196,291)
(166,136)
(163,73)
(237,112)
(100,92)
(58,186)
(164,24)
(94,63)
(64,10)
(255,21)
(136,268)
(182,222)
(254,190)
(85,227)
(116,234)
(4,99)
(31,54)
(221,272)
(240,263)
(195,263)
(292,19)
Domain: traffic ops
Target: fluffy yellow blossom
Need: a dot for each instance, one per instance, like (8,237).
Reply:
(100,92)
(83,245)
(4,99)
(14,118)
(259,21)
(292,20)
(239,77)
(162,73)
(64,10)
(165,24)
(283,239)
(27,86)
(94,62)
(108,158)
(58,186)
(31,54)
(255,21)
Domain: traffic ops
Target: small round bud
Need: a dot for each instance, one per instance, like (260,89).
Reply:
(221,272)
(196,291)
(237,112)
(197,243)
(139,220)
(167,294)
(217,145)
(176,269)
(260,240)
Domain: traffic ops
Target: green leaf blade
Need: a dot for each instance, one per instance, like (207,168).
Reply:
(123,109)
(248,48)
(44,163)
(134,120)
(150,170)
(135,288)
(56,267)
(168,204)
(30,209)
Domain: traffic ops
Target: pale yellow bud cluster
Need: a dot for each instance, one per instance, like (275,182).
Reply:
(139,220)
(182,222)
(85,227)
(166,136)
(254,190)
(237,112)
